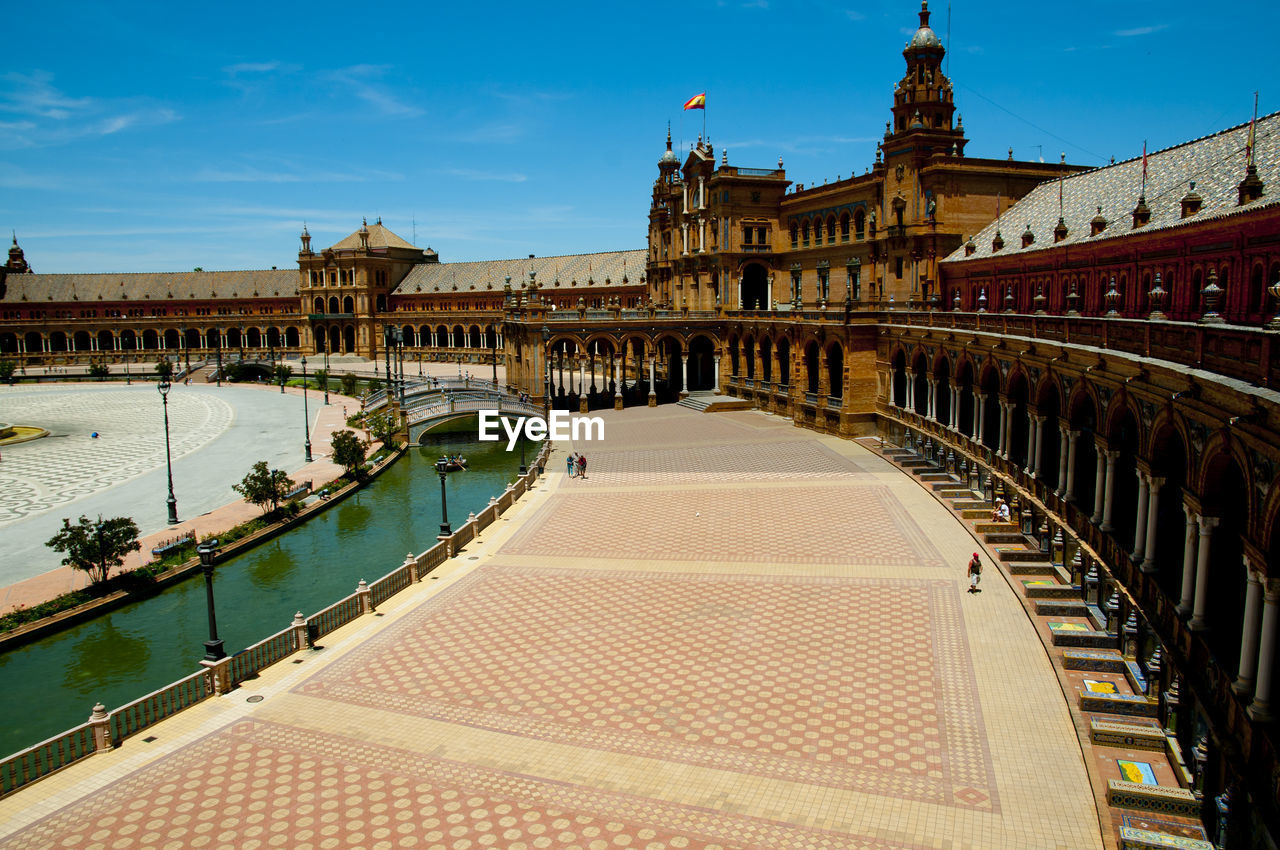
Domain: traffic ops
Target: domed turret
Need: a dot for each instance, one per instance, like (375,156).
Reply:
(17,261)
(925,36)
(669,158)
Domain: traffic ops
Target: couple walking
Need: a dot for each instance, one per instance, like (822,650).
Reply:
(577,465)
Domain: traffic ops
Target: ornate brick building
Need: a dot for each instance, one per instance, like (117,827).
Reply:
(1099,344)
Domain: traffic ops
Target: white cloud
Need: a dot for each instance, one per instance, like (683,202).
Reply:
(1147,30)
(51,117)
(252,68)
(360,80)
(475,174)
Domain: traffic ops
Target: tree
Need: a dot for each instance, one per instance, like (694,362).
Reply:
(383,427)
(373,385)
(322,378)
(164,369)
(96,547)
(263,486)
(349,452)
(348,384)
(7,368)
(282,374)
(98,370)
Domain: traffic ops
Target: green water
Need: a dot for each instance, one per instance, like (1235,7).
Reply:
(51,685)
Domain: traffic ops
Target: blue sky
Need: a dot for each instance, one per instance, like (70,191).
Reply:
(164,137)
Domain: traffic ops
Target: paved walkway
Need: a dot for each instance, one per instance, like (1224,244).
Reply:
(733,633)
(216,435)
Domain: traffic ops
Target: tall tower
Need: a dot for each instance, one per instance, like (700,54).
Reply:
(923,103)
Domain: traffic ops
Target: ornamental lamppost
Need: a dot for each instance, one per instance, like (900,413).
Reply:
(546,356)
(442,468)
(493,357)
(213,650)
(306,416)
(164,386)
(326,371)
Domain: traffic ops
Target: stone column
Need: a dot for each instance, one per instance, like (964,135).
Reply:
(1185,605)
(617,384)
(1040,420)
(953,410)
(1004,420)
(582,375)
(684,365)
(1099,485)
(1108,506)
(1260,710)
(1207,525)
(1244,682)
(1033,444)
(1140,518)
(715,370)
(653,393)
(1153,514)
(931,404)
(980,416)
(1066,447)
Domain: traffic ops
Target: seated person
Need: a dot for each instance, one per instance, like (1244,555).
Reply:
(1001,511)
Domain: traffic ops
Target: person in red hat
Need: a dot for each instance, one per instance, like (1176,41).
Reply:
(975,573)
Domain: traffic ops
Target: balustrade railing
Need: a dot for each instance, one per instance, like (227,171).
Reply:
(156,706)
(46,757)
(40,760)
(246,663)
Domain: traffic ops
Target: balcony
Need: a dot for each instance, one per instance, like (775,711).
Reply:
(320,317)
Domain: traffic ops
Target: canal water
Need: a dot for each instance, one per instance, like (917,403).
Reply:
(51,685)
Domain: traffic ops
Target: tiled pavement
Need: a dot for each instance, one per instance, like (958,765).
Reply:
(734,659)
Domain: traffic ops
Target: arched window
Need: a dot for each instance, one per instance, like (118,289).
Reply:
(844,227)
(831,230)
(860,224)
(794,233)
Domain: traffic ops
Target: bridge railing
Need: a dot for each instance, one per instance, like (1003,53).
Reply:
(105,730)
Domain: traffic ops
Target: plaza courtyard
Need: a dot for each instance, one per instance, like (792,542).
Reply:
(732,633)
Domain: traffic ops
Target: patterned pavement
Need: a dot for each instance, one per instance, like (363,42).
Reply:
(797,667)
(34,479)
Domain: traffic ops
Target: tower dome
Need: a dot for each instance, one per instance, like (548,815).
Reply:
(924,37)
(669,157)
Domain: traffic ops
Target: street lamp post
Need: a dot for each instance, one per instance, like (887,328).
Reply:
(546,356)
(442,468)
(326,372)
(213,650)
(164,386)
(218,339)
(306,415)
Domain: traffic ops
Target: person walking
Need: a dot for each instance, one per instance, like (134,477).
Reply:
(571,461)
(975,573)
(582,466)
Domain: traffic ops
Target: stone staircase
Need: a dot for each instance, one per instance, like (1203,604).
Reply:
(709,402)
(1113,695)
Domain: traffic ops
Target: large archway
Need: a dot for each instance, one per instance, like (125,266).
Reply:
(1225,497)
(701,364)
(1169,467)
(755,287)
(898,378)
(1083,478)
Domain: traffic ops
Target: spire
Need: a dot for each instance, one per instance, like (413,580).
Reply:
(306,239)
(17,262)
(924,13)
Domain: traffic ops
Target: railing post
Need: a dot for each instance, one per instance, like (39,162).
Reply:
(299,626)
(412,563)
(101,723)
(365,596)
(220,670)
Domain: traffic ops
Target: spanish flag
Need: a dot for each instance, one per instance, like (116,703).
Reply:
(698,101)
